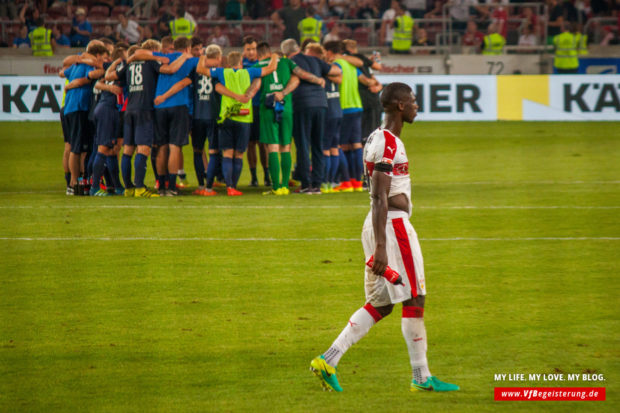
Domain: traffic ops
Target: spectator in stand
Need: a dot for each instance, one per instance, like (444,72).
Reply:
(82,30)
(234,10)
(499,16)
(527,37)
(386,34)
(460,12)
(219,38)
(128,30)
(8,9)
(257,9)
(147,33)
(421,40)
(437,10)
(334,32)
(28,14)
(213,11)
(163,23)
(417,8)
(62,41)
(367,9)
(556,19)
(339,8)
(108,33)
(22,41)
(105,3)
(531,19)
(473,36)
(288,18)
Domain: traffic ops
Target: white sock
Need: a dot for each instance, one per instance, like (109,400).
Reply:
(415,336)
(358,326)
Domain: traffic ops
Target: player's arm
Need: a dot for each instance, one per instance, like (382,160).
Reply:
(254,88)
(143,54)
(114,89)
(288,89)
(204,65)
(176,88)
(367,81)
(85,58)
(271,67)
(380,185)
(308,77)
(355,61)
(334,71)
(111,73)
(96,74)
(171,68)
(337,79)
(224,91)
(76,83)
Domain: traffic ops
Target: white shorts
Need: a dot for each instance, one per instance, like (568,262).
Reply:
(404,256)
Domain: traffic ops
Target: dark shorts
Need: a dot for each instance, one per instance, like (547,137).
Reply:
(172,126)
(351,128)
(255,128)
(79,131)
(138,128)
(106,121)
(234,135)
(63,125)
(214,140)
(121,123)
(201,131)
(332,133)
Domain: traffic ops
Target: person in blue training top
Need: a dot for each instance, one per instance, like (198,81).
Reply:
(172,117)
(235,115)
(250,58)
(310,107)
(77,103)
(139,76)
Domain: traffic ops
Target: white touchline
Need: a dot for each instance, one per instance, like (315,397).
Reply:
(456,207)
(267,239)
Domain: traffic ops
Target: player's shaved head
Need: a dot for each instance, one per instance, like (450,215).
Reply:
(263,49)
(393,94)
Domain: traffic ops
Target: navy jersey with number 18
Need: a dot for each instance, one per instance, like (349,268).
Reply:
(140,79)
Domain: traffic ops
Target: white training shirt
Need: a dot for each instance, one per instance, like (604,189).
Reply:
(385,147)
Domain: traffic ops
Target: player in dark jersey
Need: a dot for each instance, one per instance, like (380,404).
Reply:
(107,122)
(140,78)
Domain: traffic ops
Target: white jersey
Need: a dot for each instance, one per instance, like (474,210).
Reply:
(385,147)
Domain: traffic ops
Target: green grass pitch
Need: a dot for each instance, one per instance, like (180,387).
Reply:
(219,304)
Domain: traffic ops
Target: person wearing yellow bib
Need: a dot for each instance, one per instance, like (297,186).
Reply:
(181,26)
(403,30)
(493,42)
(566,60)
(41,40)
(236,116)
(310,28)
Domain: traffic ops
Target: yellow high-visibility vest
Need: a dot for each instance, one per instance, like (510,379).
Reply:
(582,44)
(181,27)
(493,44)
(310,28)
(403,33)
(41,42)
(565,51)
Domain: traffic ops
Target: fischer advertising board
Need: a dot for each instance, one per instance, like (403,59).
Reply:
(451,97)
(475,98)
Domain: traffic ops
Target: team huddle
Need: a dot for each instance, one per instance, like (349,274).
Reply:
(145,101)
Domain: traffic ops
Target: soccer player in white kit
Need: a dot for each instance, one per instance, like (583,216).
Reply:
(389,238)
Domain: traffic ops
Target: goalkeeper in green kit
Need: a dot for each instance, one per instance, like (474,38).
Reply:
(276,114)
